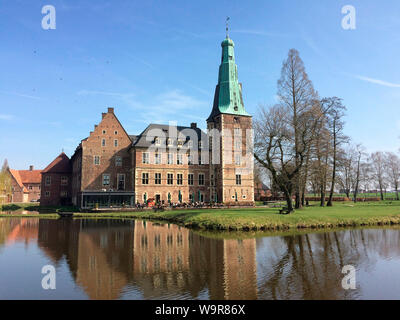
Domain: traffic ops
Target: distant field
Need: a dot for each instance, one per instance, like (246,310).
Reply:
(360,195)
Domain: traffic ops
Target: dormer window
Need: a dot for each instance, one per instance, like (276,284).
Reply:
(180,143)
(169,142)
(157,141)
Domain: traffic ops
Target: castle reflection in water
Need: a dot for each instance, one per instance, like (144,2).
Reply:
(162,261)
(109,259)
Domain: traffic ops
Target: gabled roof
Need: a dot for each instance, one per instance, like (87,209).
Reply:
(61,164)
(26,177)
(164,131)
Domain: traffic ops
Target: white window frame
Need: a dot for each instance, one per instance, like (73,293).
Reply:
(109,179)
(148,158)
(118,161)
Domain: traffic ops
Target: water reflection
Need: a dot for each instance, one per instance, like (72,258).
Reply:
(111,259)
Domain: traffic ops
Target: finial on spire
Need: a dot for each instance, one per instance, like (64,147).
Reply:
(227,27)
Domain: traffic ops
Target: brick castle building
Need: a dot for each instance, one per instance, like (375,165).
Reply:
(25,185)
(169,164)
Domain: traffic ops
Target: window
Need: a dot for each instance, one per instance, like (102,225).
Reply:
(121,181)
(115,143)
(145,158)
(236,131)
(157,141)
(48,181)
(169,142)
(180,143)
(210,143)
(64,180)
(212,179)
(115,132)
(200,145)
(190,179)
(201,179)
(64,194)
(30,187)
(104,131)
(145,178)
(179,178)
(170,158)
(47,194)
(238,145)
(179,159)
(106,179)
(96,160)
(103,142)
(238,179)
(118,161)
(190,159)
(157,158)
(158,178)
(237,159)
(170,178)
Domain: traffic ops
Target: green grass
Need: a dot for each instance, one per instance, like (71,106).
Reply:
(341,215)
(253,219)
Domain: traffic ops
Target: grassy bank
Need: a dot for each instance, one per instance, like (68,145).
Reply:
(341,215)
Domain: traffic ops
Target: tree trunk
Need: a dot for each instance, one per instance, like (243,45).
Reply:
(330,203)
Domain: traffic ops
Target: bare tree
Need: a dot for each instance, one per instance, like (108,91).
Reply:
(5,182)
(392,162)
(359,151)
(297,95)
(334,110)
(377,161)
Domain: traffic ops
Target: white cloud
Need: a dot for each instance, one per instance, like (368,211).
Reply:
(20,95)
(168,106)
(93,92)
(6,117)
(260,33)
(379,82)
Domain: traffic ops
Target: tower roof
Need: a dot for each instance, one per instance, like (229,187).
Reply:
(228,92)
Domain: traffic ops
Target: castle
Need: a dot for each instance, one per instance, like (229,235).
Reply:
(165,163)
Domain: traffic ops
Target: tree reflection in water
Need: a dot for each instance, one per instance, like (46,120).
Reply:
(113,259)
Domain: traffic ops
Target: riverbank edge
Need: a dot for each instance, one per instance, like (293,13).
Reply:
(183,219)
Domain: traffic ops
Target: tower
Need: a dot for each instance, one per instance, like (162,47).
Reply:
(230,133)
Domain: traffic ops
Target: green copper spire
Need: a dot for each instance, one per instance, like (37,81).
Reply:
(228,93)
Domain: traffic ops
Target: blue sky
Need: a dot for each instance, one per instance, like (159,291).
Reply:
(155,61)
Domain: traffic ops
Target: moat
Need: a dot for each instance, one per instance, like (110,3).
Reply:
(132,259)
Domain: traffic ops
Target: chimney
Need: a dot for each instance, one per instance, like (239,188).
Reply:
(30,168)
(193,125)
(103,115)
(110,110)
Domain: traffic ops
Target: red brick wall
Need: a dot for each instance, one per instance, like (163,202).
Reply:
(56,193)
(92,175)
